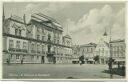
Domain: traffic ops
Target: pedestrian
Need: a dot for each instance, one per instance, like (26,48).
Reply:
(81,59)
(123,69)
(110,65)
(8,61)
(22,61)
(54,60)
(118,65)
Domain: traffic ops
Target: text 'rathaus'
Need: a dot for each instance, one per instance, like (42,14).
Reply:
(42,41)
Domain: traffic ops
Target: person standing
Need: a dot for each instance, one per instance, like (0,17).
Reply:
(81,59)
(8,61)
(54,60)
(22,60)
(118,65)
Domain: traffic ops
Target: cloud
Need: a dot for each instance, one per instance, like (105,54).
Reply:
(55,7)
(49,9)
(92,25)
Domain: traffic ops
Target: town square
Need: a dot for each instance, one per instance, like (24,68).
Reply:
(63,40)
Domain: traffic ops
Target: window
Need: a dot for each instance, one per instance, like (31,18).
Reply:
(8,29)
(11,56)
(42,38)
(17,56)
(42,30)
(32,46)
(24,45)
(20,32)
(37,57)
(38,37)
(38,48)
(42,48)
(16,31)
(49,37)
(38,29)
(58,41)
(87,49)
(23,56)
(32,57)
(18,44)
(49,48)
(91,49)
(102,50)
(11,45)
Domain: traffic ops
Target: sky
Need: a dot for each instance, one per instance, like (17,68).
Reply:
(85,22)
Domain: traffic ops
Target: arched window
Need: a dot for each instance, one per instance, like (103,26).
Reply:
(20,32)
(16,31)
(49,37)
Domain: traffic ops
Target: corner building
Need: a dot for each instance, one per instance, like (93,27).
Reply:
(39,41)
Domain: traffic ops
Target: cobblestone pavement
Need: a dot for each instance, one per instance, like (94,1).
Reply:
(57,71)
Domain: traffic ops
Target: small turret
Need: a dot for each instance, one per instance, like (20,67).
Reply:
(105,33)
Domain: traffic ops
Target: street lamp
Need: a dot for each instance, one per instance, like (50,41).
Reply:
(111,59)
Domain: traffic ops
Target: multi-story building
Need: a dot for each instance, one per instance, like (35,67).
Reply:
(14,29)
(118,50)
(76,51)
(106,49)
(87,50)
(39,41)
(102,49)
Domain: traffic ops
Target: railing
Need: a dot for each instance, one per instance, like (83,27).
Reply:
(35,40)
(18,50)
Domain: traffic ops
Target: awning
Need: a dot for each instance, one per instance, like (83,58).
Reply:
(119,60)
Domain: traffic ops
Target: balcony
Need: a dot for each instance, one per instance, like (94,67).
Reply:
(12,49)
(18,50)
(52,53)
(35,40)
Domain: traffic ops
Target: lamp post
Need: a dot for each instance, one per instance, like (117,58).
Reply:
(111,59)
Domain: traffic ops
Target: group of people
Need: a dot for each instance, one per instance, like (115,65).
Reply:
(8,61)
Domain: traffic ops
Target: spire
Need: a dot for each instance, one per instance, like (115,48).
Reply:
(105,33)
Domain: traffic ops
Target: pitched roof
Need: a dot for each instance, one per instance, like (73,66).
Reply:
(39,17)
(17,18)
(118,40)
(89,45)
(67,36)
(105,33)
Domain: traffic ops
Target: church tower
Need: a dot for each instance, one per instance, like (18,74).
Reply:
(105,36)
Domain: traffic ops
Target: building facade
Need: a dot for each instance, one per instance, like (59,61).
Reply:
(87,50)
(118,50)
(39,41)
(102,49)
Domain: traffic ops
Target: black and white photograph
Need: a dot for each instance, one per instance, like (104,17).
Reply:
(64,40)
(69,81)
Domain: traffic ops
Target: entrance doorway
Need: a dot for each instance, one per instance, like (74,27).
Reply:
(42,59)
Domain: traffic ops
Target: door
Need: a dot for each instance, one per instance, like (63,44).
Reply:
(42,59)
